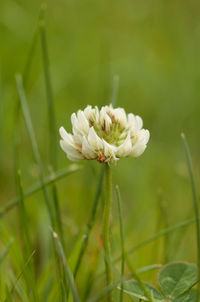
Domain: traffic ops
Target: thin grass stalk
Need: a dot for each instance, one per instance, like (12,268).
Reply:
(25,78)
(22,272)
(163,219)
(36,153)
(6,250)
(29,273)
(121,240)
(37,187)
(136,276)
(158,235)
(52,119)
(90,222)
(106,228)
(69,275)
(195,204)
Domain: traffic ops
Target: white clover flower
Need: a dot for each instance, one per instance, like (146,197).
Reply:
(105,135)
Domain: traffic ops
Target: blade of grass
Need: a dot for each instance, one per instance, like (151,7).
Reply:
(52,119)
(6,250)
(109,288)
(25,79)
(163,220)
(22,272)
(136,276)
(124,255)
(115,90)
(121,240)
(29,273)
(90,222)
(36,153)
(37,187)
(69,275)
(161,233)
(195,204)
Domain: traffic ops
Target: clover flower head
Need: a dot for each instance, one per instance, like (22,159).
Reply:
(105,135)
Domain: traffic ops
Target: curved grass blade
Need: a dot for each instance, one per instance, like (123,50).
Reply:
(36,153)
(137,278)
(37,187)
(195,204)
(25,78)
(121,241)
(69,275)
(148,268)
(22,272)
(6,250)
(160,234)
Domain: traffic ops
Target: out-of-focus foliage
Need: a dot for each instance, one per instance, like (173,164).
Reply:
(154,47)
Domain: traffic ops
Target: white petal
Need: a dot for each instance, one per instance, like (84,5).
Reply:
(104,119)
(87,111)
(143,136)
(109,150)
(87,150)
(74,121)
(139,122)
(120,115)
(94,140)
(70,150)
(83,123)
(134,122)
(137,150)
(65,135)
(125,148)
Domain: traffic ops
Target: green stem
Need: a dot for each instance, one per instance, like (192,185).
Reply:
(106,227)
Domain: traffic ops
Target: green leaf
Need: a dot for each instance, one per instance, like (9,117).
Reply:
(189,296)
(133,288)
(175,278)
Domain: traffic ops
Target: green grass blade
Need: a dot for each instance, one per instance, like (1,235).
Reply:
(136,277)
(31,133)
(6,250)
(124,255)
(22,272)
(121,241)
(25,79)
(195,204)
(163,221)
(148,268)
(52,120)
(162,233)
(109,288)
(29,273)
(37,187)
(90,222)
(115,90)
(177,226)
(69,275)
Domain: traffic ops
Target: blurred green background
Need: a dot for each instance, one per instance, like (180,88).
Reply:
(154,47)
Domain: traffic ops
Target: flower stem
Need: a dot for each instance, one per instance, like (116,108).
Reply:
(106,227)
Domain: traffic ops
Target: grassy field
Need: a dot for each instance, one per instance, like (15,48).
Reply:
(69,54)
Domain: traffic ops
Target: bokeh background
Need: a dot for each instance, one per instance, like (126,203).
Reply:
(153,46)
